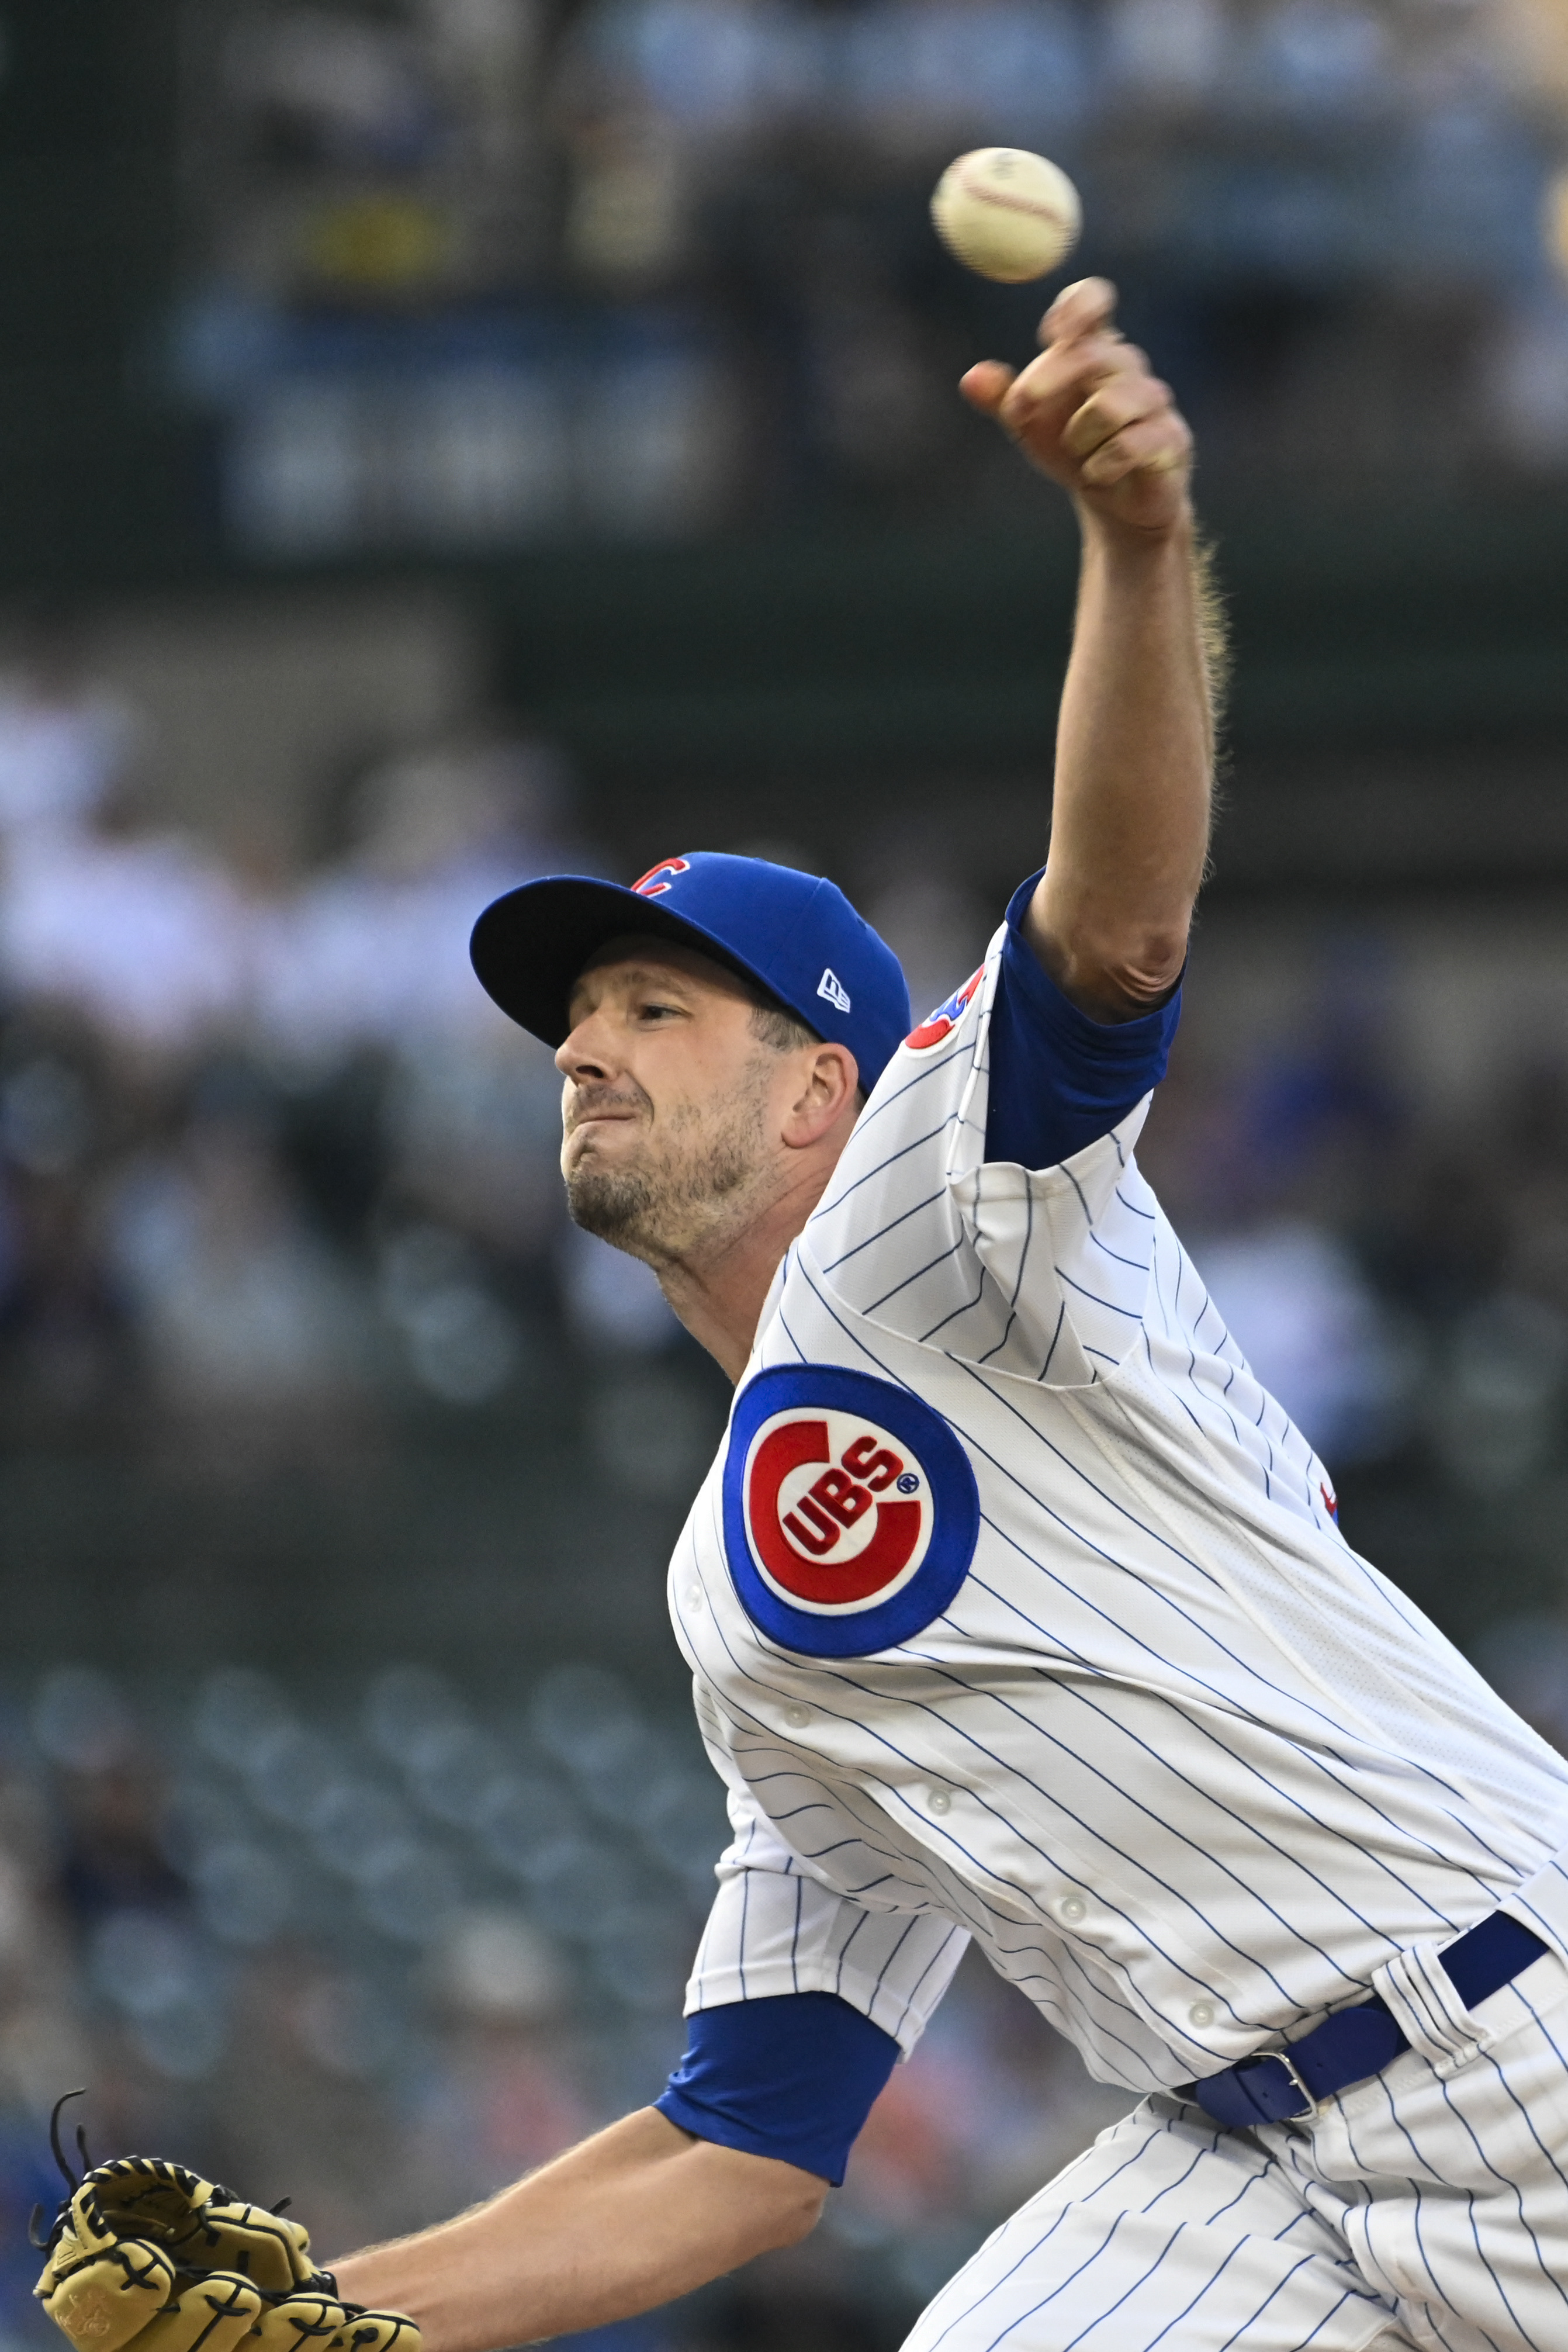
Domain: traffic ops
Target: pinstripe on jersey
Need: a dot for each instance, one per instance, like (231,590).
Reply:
(1189,1770)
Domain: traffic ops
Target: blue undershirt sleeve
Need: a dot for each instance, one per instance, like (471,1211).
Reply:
(792,2076)
(1059,1080)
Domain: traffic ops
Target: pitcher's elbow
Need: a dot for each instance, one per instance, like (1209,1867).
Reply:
(1143,979)
(797,2212)
(1119,979)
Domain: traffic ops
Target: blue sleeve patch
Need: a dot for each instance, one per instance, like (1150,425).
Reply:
(794,2076)
(1060,1080)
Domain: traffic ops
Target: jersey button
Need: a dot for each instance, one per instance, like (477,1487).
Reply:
(797,1718)
(1072,1908)
(940,1800)
(1201,2015)
(696,1600)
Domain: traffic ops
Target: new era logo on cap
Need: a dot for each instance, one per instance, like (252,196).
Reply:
(832,987)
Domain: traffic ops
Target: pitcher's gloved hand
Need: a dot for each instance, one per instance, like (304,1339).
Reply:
(147,2253)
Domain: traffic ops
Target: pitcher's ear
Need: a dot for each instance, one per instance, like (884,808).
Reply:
(832,1083)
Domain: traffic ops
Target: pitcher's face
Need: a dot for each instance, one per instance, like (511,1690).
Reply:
(668,1108)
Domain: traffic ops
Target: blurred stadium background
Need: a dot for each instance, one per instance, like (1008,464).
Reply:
(442,439)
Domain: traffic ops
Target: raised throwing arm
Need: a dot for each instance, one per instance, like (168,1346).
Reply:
(1134,752)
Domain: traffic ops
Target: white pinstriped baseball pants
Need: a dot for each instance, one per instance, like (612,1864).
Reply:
(1426,2208)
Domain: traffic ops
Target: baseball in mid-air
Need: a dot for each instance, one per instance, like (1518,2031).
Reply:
(1006,214)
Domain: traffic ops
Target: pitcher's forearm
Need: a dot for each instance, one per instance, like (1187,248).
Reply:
(1134,751)
(1131,809)
(630,2219)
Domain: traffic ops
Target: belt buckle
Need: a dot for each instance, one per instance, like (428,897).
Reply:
(1311,2102)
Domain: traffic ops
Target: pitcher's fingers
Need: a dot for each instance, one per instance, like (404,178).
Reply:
(1158,444)
(1063,377)
(1085,308)
(1124,400)
(984,385)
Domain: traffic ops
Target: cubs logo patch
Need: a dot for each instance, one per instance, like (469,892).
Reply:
(851,1513)
(947,1017)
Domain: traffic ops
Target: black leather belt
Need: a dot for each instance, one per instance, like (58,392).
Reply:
(1354,2044)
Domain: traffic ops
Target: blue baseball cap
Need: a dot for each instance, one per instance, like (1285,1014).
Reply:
(794,936)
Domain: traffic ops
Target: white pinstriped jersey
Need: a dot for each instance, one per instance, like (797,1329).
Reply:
(1187,1768)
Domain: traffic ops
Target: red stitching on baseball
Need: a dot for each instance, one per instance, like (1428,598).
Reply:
(1036,208)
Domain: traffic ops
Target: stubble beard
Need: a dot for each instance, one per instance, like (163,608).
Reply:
(692,1190)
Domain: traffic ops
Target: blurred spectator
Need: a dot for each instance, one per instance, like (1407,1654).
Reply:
(375,954)
(140,932)
(244,1312)
(279,1151)
(65,1338)
(375,949)
(113,1859)
(67,741)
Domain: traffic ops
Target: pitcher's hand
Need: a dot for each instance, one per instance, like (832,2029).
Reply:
(1089,413)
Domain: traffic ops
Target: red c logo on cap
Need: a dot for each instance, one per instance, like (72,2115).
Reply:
(652,886)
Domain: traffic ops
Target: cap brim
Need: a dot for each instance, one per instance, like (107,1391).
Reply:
(529,948)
